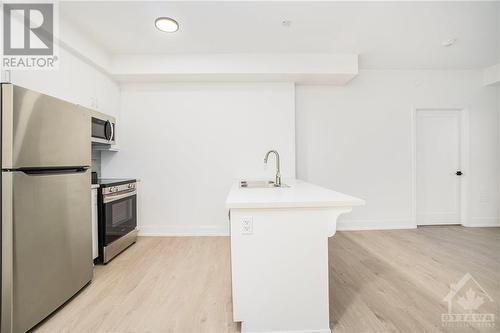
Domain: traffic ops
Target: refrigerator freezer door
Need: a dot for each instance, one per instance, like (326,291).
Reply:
(46,229)
(42,131)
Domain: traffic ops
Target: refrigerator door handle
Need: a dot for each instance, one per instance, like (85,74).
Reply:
(53,171)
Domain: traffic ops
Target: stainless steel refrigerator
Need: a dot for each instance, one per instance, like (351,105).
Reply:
(46,210)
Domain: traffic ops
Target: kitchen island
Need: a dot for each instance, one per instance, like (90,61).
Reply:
(279,255)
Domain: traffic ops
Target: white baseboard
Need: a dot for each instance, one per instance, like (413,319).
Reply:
(182,230)
(382,224)
(483,222)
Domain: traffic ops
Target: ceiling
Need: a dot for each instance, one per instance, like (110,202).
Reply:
(389,35)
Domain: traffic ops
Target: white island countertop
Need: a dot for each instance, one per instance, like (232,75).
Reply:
(299,194)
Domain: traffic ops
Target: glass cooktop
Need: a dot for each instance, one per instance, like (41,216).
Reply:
(106,182)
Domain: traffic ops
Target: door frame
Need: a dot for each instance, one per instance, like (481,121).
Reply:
(464,160)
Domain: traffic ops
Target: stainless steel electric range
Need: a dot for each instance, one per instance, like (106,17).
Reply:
(117,217)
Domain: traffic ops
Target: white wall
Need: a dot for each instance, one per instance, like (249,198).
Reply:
(491,75)
(75,81)
(356,139)
(189,142)
(78,79)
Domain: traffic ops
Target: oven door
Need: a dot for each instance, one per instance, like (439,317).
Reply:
(119,215)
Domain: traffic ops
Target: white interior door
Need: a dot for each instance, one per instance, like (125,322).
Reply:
(437,164)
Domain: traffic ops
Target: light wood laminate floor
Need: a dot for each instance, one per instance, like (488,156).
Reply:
(380,281)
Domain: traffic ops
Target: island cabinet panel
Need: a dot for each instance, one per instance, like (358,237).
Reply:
(279,255)
(280,269)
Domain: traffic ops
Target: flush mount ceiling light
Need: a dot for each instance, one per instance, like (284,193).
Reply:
(449,42)
(166,24)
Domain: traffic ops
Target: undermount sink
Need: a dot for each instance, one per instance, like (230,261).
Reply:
(266,183)
(260,184)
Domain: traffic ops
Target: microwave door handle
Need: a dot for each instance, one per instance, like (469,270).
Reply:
(105,131)
(112,131)
(106,124)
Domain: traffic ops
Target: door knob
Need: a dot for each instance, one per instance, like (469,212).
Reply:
(459,173)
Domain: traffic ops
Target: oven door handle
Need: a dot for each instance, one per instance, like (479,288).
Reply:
(113,197)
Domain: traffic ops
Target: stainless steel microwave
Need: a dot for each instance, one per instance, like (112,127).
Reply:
(103,129)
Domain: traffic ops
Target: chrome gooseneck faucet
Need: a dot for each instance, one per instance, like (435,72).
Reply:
(278,174)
